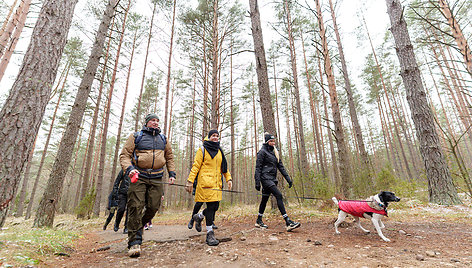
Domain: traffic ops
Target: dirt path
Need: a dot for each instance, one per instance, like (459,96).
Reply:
(419,242)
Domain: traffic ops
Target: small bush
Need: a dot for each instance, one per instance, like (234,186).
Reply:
(85,207)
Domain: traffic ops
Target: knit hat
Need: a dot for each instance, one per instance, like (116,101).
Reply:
(268,137)
(151,116)
(213,131)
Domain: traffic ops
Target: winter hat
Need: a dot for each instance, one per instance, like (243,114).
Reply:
(268,137)
(213,131)
(151,116)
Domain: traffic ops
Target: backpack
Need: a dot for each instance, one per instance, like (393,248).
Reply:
(139,135)
(137,139)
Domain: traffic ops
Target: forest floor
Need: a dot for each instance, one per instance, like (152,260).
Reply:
(423,235)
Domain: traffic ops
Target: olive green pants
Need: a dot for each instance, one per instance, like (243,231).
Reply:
(144,199)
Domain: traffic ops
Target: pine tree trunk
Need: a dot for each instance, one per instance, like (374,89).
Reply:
(6,22)
(24,108)
(24,186)
(166,123)
(93,126)
(15,36)
(267,112)
(103,149)
(120,125)
(47,206)
(350,97)
(296,92)
(461,40)
(440,185)
(344,161)
(214,69)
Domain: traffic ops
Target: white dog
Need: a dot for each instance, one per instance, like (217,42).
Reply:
(373,208)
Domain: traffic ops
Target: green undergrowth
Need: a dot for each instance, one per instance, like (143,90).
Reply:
(22,245)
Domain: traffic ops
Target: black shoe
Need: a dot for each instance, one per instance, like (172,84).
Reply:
(190,223)
(260,223)
(291,225)
(213,226)
(125,231)
(211,240)
(105,227)
(198,218)
(116,228)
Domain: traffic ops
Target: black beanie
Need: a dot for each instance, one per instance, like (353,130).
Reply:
(149,117)
(268,137)
(213,131)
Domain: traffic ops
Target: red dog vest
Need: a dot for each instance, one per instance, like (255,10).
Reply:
(357,208)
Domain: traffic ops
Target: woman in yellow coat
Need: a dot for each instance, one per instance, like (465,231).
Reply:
(209,165)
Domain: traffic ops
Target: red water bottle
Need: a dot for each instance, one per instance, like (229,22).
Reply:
(134,179)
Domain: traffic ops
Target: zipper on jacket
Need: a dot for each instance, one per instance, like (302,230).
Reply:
(153,147)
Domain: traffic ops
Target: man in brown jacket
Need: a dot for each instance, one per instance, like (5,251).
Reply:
(146,152)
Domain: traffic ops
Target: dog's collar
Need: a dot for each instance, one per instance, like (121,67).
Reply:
(377,199)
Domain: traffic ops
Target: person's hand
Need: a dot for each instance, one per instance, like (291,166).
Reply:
(171,180)
(230,185)
(132,172)
(188,186)
(258,186)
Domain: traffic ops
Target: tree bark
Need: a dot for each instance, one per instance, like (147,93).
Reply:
(138,109)
(350,97)
(344,161)
(24,108)
(101,167)
(47,206)
(267,111)
(166,123)
(440,185)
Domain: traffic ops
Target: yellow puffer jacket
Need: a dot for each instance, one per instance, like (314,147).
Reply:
(209,177)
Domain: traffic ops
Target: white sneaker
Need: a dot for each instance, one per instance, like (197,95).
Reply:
(134,251)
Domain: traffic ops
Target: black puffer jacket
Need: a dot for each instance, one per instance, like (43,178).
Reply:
(121,185)
(266,167)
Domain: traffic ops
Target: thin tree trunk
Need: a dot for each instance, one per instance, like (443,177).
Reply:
(15,36)
(267,111)
(440,185)
(296,92)
(138,108)
(120,125)
(166,123)
(457,34)
(350,97)
(93,126)
(344,161)
(47,206)
(24,186)
(6,22)
(101,169)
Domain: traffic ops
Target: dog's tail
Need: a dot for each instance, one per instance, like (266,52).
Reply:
(335,201)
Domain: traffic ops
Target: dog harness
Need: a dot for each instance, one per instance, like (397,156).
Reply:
(358,208)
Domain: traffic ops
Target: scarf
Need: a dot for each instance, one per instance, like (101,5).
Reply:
(213,148)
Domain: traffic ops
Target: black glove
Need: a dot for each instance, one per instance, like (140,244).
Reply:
(258,186)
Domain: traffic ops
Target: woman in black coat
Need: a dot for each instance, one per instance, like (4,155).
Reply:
(267,163)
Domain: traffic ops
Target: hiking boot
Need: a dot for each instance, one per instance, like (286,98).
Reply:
(198,218)
(190,223)
(105,227)
(213,226)
(125,231)
(134,251)
(291,225)
(260,223)
(146,227)
(211,240)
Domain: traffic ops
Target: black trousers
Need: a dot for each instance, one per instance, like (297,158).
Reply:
(122,200)
(210,211)
(197,207)
(265,197)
